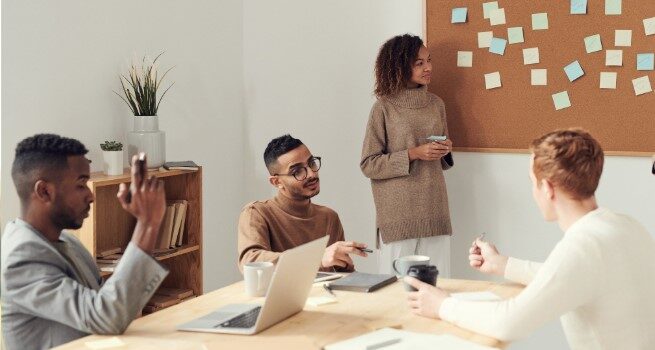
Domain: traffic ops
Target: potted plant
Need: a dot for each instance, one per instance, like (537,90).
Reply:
(140,88)
(112,154)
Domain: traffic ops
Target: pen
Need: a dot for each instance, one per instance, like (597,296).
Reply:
(481,238)
(366,250)
(327,287)
(383,344)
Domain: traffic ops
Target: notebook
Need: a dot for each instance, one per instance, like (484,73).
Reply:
(363,282)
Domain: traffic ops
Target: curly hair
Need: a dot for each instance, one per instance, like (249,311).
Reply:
(393,66)
(571,159)
(277,147)
(41,155)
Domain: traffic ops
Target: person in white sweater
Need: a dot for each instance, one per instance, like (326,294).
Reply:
(599,278)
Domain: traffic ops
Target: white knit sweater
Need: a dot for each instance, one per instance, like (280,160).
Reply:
(600,279)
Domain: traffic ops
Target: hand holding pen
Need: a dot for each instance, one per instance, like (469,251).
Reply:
(484,257)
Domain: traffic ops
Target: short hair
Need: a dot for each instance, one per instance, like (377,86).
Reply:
(571,159)
(41,154)
(279,146)
(393,66)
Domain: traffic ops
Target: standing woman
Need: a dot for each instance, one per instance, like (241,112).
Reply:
(406,169)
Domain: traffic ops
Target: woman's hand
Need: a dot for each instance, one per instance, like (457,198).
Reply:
(430,151)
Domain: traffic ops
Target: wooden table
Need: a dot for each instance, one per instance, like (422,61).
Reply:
(314,327)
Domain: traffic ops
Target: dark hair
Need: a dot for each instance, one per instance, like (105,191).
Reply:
(41,155)
(393,67)
(279,146)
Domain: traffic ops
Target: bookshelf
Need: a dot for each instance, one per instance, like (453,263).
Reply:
(109,226)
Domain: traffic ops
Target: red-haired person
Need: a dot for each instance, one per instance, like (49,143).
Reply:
(598,279)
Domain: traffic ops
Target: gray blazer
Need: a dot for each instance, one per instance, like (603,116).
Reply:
(45,304)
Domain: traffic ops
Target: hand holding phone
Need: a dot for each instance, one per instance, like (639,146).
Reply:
(139,174)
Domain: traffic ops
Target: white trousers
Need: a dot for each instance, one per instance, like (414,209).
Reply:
(436,247)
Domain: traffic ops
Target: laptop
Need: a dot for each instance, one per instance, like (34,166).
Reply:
(290,285)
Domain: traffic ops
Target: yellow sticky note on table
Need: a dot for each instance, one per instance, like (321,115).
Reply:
(110,343)
(649,26)
(492,80)
(641,85)
(614,58)
(318,301)
(622,37)
(608,80)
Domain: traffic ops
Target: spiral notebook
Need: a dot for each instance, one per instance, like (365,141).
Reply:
(363,282)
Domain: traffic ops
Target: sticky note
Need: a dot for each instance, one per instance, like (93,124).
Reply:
(497,17)
(492,80)
(498,46)
(608,80)
(539,77)
(318,301)
(110,343)
(561,100)
(487,7)
(593,44)
(459,15)
(531,55)
(574,71)
(578,7)
(645,61)
(539,21)
(612,7)
(649,26)
(484,39)
(464,59)
(515,35)
(622,37)
(641,85)
(614,58)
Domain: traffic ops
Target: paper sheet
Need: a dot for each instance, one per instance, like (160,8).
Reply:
(484,39)
(561,100)
(498,46)
(464,58)
(593,43)
(515,35)
(574,71)
(539,77)
(492,80)
(614,58)
(531,55)
(622,37)
(645,61)
(608,80)
(642,85)
(539,21)
(459,15)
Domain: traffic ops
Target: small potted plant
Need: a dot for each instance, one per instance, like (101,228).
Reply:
(112,154)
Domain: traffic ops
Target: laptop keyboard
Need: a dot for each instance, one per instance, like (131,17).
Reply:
(244,320)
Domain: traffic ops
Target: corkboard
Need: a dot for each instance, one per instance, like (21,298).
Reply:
(509,117)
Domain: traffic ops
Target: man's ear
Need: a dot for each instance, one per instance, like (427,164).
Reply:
(44,191)
(549,189)
(275,181)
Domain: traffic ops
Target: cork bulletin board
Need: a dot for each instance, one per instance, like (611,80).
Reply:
(507,118)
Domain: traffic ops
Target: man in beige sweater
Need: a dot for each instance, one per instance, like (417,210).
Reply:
(268,228)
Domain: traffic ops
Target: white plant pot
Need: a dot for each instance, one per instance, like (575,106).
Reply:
(112,162)
(146,137)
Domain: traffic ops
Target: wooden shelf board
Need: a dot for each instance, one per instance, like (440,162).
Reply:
(185,249)
(100,179)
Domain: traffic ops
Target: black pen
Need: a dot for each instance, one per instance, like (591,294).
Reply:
(365,250)
(327,287)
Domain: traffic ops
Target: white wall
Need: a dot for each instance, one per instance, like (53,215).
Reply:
(309,71)
(61,60)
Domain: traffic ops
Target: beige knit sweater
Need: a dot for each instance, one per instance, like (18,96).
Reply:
(410,197)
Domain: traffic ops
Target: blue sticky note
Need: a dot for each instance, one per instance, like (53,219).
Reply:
(646,61)
(578,7)
(574,71)
(459,15)
(561,100)
(498,46)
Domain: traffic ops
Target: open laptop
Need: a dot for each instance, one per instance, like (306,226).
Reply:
(286,296)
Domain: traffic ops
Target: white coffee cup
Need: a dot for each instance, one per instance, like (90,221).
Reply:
(257,277)
(402,264)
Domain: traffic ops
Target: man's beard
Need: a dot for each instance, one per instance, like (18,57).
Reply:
(63,218)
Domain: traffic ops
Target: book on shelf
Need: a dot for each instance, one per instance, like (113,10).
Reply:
(178,228)
(179,293)
(163,301)
(184,208)
(110,251)
(107,267)
(166,228)
(183,165)
(110,259)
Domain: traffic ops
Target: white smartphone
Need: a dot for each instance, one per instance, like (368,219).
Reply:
(435,138)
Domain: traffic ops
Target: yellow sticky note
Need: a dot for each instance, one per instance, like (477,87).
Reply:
(464,58)
(608,80)
(614,58)
(492,80)
(622,37)
(531,55)
(539,77)
(110,343)
(641,85)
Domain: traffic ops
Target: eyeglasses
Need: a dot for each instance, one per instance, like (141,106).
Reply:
(300,173)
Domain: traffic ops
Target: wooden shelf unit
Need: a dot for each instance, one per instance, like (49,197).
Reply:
(109,226)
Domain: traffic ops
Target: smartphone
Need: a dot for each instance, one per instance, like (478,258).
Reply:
(141,172)
(435,138)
